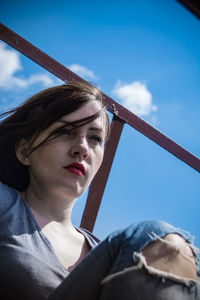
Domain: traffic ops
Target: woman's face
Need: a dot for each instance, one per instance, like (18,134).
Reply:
(70,161)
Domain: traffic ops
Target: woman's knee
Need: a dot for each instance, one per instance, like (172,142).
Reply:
(172,254)
(164,246)
(140,234)
(165,269)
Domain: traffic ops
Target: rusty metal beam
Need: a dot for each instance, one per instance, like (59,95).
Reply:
(99,182)
(35,54)
(154,134)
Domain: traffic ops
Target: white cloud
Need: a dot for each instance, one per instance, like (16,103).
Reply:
(135,97)
(82,71)
(11,78)
(10,64)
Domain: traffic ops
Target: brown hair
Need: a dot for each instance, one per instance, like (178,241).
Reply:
(35,115)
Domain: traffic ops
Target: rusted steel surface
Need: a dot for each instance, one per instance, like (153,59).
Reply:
(35,54)
(99,182)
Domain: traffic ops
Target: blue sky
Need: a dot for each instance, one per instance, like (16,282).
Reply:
(146,56)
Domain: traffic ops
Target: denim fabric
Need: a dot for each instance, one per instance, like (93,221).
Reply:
(137,236)
(140,285)
(110,270)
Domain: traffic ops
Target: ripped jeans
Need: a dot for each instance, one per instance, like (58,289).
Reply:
(137,263)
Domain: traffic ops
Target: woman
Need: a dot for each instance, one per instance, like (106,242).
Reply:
(51,148)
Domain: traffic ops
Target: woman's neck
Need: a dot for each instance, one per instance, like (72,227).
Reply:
(49,207)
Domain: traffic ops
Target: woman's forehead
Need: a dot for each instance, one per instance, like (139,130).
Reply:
(96,124)
(89,109)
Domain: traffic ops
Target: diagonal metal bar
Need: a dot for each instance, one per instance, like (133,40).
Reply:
(35,54)
(99,182)
(152,133)
(14,40)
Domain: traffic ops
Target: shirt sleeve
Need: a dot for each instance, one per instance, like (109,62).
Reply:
(7,197)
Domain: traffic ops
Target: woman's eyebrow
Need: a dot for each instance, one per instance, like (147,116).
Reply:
(96,129)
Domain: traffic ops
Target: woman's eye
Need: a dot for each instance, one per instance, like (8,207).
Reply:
(61,133)
(96,138)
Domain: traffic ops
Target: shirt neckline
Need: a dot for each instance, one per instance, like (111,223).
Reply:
(46,240)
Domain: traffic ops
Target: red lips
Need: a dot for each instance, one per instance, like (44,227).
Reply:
(76,168)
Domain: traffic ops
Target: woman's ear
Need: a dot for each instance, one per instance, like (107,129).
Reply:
(20,150)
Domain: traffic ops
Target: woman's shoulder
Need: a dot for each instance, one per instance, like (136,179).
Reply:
(4,188)
(92,239)
(8,196)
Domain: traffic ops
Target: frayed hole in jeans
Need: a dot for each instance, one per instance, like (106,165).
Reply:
(141,264)
(171,254)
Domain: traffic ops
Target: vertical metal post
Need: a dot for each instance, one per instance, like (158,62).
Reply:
(99,182)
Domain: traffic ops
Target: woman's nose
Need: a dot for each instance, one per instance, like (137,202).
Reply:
(80,148)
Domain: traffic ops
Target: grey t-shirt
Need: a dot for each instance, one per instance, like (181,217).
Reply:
(29,267)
